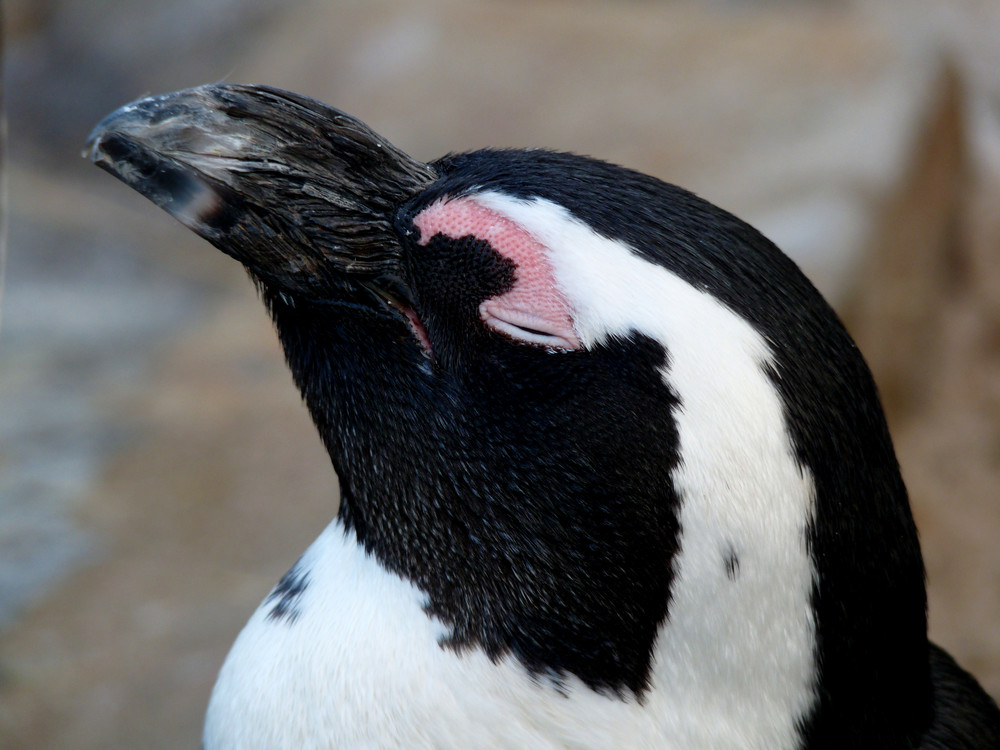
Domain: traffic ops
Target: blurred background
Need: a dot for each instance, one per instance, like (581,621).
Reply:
(157,470)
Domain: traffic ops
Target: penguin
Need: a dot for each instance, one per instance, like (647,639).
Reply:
(613,474)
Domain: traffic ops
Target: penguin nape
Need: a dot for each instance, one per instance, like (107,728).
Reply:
(613,474)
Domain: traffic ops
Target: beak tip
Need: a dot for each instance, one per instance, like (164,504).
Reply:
(121,121)
(92,147)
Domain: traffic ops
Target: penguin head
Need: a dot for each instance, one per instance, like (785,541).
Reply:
(590,415)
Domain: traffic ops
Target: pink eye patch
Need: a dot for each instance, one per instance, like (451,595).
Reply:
(533,310)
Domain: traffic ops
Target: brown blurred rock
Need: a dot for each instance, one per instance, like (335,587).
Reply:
(927,317)
(915,259)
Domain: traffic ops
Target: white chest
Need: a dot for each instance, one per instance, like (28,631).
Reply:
(360,666)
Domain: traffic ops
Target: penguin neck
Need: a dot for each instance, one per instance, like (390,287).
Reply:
(357,400)
(507,535)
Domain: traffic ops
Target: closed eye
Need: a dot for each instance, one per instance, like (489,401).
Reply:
(527,328)
(532,331)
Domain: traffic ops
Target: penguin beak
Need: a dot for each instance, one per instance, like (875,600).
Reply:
(300,193)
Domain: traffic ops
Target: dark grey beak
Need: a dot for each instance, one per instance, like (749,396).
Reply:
(297,191)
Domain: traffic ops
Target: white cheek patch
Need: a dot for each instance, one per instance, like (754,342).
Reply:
(535,310)
(738,643)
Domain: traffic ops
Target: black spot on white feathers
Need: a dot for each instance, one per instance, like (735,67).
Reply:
(731,561)
(286,595)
